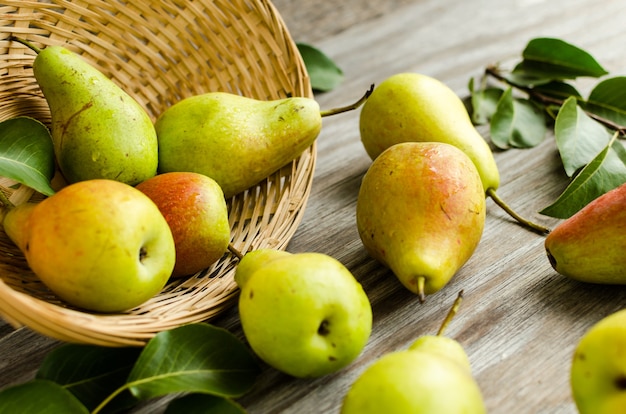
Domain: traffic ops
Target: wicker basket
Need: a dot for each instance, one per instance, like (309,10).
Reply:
(159,51)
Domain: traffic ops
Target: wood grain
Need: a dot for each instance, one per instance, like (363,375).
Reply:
(520,321)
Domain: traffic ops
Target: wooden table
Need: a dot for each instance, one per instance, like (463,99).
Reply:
(520,321)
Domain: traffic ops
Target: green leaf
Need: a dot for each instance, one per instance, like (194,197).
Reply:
(549,58)
(91,373)
(204,404)
(27,154)
(517,123)
(39,397)
(578,137)
(484,102)
(325,74)
(604,173)
(608,100)
(194,358)
(558,90)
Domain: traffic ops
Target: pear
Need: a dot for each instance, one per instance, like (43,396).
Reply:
(415,107)
(421,212)
(432,376)
(598,372)
(236,140)
(589,246)
(98,130)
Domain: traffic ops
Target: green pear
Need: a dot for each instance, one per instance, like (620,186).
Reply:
(236,140)
(100,245)
(303,314)
(98,130)
(598,372)
(421,212)
(414,107)
(432,376)
(589,246)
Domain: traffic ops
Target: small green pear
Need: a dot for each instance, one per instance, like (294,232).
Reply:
(98,130)
(589,246)
(414,107)
(421,212)
(598,372)
(432,376)
(236,140)
(304,314)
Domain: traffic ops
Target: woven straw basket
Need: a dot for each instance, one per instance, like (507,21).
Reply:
(159,51)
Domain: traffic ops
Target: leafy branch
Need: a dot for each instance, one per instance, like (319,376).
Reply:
(539,93)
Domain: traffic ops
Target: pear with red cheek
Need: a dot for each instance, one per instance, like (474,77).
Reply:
(590,245)
(421,212)
(195,209)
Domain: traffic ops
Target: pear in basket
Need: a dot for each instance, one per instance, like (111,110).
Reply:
(99,245)
(421,212)
(98,130)
(236,140)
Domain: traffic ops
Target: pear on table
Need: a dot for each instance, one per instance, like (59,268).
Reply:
(410,107)
(421,212)
(432,376)
(98,130)
(236,140)
(598,371)
(590,246)
(302,313)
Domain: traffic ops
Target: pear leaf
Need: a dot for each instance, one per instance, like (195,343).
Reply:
(90,372)
(578,137)
(549,58)
(27,154)
(195,358)
(605,172)
(517,123)
(558,90)
(608,100)
(39,397)
(484,102)
(204,404)
(324,73)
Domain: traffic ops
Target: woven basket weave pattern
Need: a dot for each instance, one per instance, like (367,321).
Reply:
(159,52)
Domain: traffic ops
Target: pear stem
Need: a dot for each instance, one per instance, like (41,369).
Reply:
(453,311)
(27,44)
(421,281)
(235,251)
(538,228)
(350,107)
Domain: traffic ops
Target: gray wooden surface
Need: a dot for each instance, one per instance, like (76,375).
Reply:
(520,321)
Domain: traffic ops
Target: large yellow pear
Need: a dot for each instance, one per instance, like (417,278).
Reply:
(421,212)
(415,107)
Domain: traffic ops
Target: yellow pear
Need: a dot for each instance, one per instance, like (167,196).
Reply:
(598,373)
(421,212)
(415,107)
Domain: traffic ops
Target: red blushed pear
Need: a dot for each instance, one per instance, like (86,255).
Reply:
(590,245)
(195,209)
(421,212)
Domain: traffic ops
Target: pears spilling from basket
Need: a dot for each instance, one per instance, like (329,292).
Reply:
(236,140)
(99,245)
(98,130)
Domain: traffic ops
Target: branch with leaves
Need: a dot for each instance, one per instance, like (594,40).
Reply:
(539,93)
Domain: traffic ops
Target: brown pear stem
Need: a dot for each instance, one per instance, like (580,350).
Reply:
(538,228)
(350,107)
(453,311)
(27,44)
(235,251)
(421,281)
